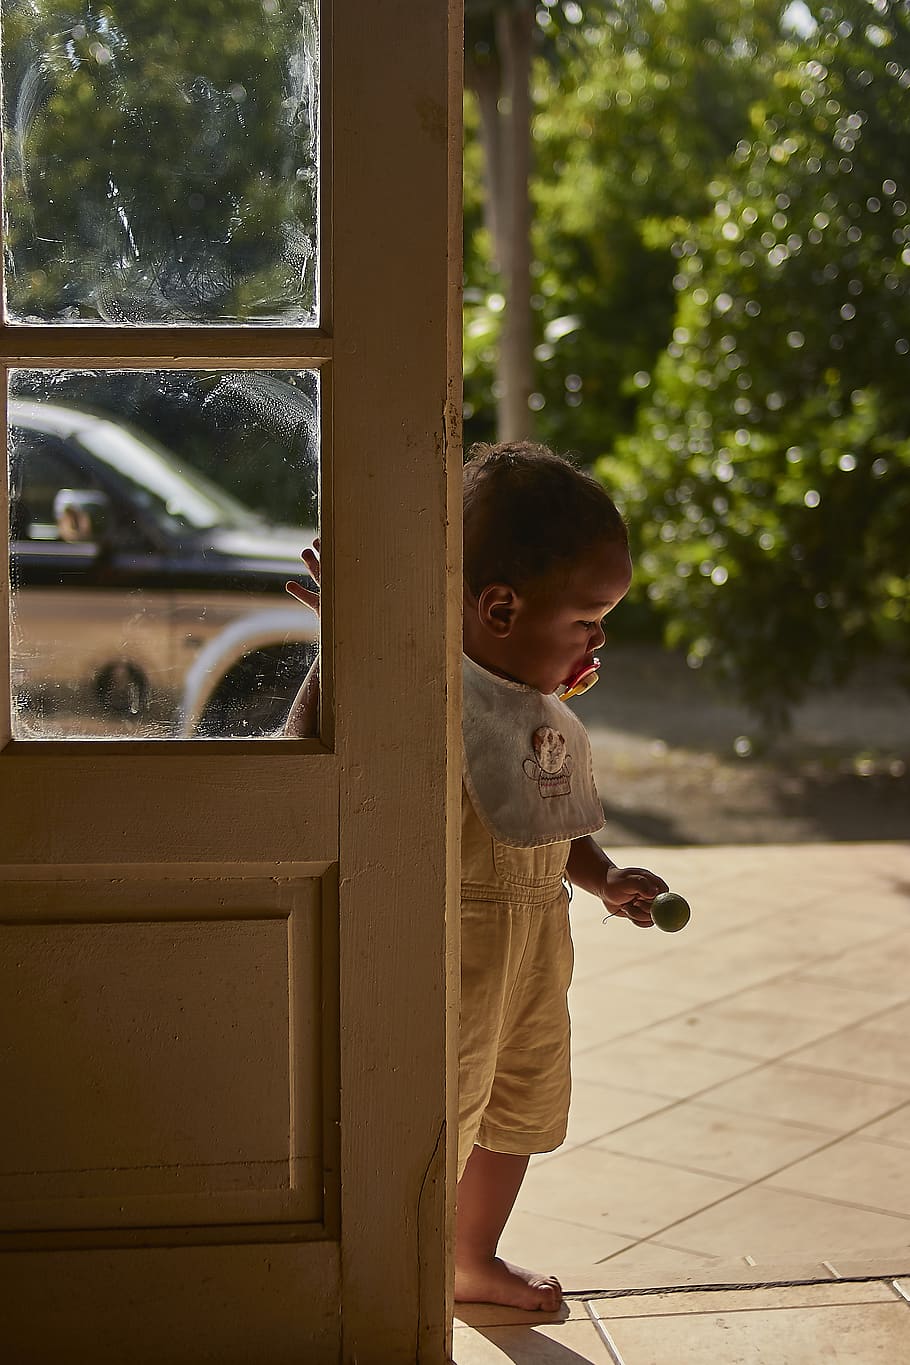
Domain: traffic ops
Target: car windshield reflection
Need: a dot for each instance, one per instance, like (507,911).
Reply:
(174,495)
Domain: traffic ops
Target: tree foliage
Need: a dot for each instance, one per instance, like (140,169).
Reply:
(160,160)
(721,268)
(770,472)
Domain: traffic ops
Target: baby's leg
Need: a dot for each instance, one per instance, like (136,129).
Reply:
(486,1192)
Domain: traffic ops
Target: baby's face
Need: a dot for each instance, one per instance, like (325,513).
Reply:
(556,627)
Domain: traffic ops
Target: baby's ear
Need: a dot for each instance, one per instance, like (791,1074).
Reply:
(497,606)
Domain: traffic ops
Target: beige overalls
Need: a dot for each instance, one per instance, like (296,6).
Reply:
(528,791)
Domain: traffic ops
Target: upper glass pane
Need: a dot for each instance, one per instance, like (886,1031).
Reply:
(161,162)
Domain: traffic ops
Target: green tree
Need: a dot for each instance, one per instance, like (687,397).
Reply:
(636,106)
(769,479)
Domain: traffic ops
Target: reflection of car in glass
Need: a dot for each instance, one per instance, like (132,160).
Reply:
(244,681)
(125,563)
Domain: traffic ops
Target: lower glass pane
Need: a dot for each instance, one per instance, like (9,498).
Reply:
(155,517)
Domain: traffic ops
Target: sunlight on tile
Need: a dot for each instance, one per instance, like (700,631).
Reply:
(846,1334)
(697,1137)
(872,1053)
(820,1098)
(856,1171)
(572,1343)
(552,1243)
(741,1300)
(672,1069)
(765,1222)
(618,1194)
(894,1128)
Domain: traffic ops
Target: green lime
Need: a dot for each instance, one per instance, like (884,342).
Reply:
(670,912)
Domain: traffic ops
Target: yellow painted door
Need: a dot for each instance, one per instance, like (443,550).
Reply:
(224,963)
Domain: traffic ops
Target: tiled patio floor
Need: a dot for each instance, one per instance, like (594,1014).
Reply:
(741,1102)
(833,1323)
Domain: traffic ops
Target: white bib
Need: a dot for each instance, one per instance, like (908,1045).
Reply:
(527,763)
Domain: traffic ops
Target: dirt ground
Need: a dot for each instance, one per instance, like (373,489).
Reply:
(678,763)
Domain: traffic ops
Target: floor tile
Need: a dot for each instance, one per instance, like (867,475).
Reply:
(769,1223)
(653,1263)
(617,1194)
(818,933)
(569,1344)
(803,994)
(872,1053)
(497,1315)
(549,1243)
(665,1068)
(854,1171)
(657,1263)
(823,1099)
(896,1020)
(743,1300)
(894,1128)
(733,962)
(598,1109)
(698,1137)
(881,965)
(601,1009)
(890,1263)
(853,1334)
(760,1034)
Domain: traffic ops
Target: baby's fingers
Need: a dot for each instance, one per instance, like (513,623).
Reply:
(645,884)
(311,560)
(304,595)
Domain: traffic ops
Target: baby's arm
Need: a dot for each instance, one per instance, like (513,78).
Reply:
(626,891)
(303,718)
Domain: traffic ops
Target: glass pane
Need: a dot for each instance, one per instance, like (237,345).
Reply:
(161,161)
(155,517)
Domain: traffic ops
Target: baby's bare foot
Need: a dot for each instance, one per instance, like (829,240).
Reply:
(497,1281)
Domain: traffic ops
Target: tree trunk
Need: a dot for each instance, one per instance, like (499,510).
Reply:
(485,79)
(515,29)
(503,89)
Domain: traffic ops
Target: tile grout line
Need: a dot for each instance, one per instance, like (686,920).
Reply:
(863,1022)
(752,1184)
(743,1182)
(760,1062)
(741,1185)
(589,1296)
(604,1335)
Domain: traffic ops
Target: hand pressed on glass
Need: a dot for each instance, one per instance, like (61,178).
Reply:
(303,718)
(306,595)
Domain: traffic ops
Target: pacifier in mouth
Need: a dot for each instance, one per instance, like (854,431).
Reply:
(581,681)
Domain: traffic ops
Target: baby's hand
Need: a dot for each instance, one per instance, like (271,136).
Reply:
(306,595)
(629,891)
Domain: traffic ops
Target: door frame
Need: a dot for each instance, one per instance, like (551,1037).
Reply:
(348,808)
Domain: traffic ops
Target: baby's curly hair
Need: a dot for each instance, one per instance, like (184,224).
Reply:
(530,514)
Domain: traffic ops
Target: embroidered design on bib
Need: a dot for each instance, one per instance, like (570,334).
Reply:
(552,767)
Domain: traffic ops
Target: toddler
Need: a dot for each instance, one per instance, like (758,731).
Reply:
(546,558)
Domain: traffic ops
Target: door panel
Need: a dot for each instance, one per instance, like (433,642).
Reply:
(183,1305)
(137,1017)
(233,959)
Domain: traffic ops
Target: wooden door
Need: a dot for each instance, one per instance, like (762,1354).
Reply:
(225,965)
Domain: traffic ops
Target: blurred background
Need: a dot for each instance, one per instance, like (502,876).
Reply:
(687,260)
